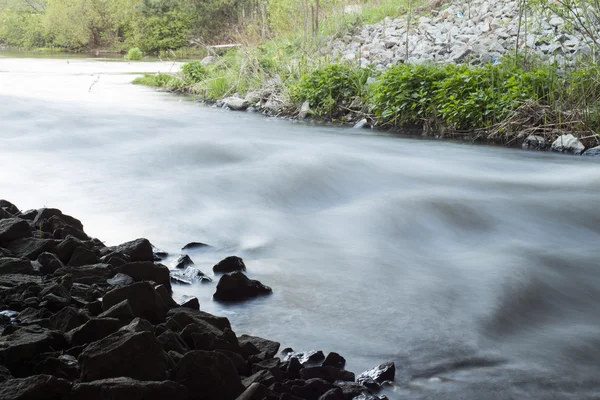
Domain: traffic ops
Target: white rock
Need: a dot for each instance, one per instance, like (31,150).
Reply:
(568,144)
(304,110)
(556,21)
(360,124)
(235,103)
(208,60)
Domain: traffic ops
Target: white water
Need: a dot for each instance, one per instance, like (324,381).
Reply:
(474,268)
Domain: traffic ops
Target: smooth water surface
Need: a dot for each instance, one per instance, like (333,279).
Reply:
(476,269)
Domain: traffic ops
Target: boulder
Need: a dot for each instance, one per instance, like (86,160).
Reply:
(189,276)
(120,280)
(535,142)
(236,286)
(13,229)
(57,215)
(184,316)
(64,249)
(4,374)
(26,343)
(64,366)
(268,346)
(138,325)
(49,263)
(311,357)
(143,300)
(147,271)
(351,389)
(330,374)
(93,330)
(208,375)
(191,302)
(229,264)
(264,377)
(82,256)
(334,360)
(37,387)
(137,355)
(235,103)
(594,151)
(183,261)
(333,394)
(69,318)
(128,389)
(380,374)
(137,250)
(195,246)
(9,265)
(568,144)
(30,247)
(238,361)
(88,274)
(121,310)
(312,388)
(10,207)
(171,341)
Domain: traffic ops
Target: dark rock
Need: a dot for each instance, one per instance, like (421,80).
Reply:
(28,215)
(311,357)
(203,336)
(369,383)
(351,389)
(165,295)
(30,247)
(64,250)
(195,246)
(159,254)
(137,250)
(229,264)
(143,299)
(184,316)
(121,310)
(312,389)
(128,389)
(208,375)
(136,355)
(13,229)
(64,367)
(171,341)
(334,360)
(88,274)
(593,152)
(333,394)
(236,286)
(114,259)
(256,391)
(15,266)
(4,374)
(57,215)
(293,368)
(86,292)
(268,364)
(38,387)
(268,346)
(93,330)
(189,276)
(26,344)
(147,271)
(68,230)
(68,318)
(287,396)
(10,207)
(237,360)
(138,325)
(380,374)
(192,303)
(120,280)
(175,356)
(82,256)
(49,263)
(183,261)
(330,374)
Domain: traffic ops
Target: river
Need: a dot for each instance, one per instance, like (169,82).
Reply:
(476,269)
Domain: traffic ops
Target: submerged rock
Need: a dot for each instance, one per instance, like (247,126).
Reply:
(195,246)
(183,261)
(188,276)
(380,374)
(236,286)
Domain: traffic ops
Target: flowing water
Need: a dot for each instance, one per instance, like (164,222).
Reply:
(476,269)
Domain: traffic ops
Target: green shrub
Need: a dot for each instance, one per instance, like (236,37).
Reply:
(194,71)
(161,80)
(134,54)
(331,86)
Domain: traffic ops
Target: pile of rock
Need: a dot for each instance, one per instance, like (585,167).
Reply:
(80,320)
(475,31)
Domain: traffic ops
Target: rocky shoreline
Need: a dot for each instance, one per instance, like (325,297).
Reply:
(80,320)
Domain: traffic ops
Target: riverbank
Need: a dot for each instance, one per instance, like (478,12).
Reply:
(470,70)
(80,320)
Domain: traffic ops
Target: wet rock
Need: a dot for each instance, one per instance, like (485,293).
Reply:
(137,250)
(88,274)
(310,358)
(229,264)
(264,377)
(208,375)
(183,261)
(171,341)
(49,263)
(238,361)
(333,394)
(143,300)
(568,144)
(236,286)
(268,346)
(165,295)
(185,316)
(138,325)
(82,256)
(128,389)
(293,368)
(189,276)
(13,229)
(120,280)
(535,142)
(30,248)
(351,389)
(192,303)
(330,374)
(235,103)
(594,151)
(26,344)
(124,354)
(69,318)
(195,246)
(121,311)
(37,387)
(334,360)
(147,271)
(257,391)
(380,374)
(15,266)
(312,389)
(93,330)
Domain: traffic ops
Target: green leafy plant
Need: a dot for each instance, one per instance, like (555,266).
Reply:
(194,71)
(134,54)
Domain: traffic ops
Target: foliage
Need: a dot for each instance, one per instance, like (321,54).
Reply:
(194,71)
(134,54)
(328,87)
(154,33)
